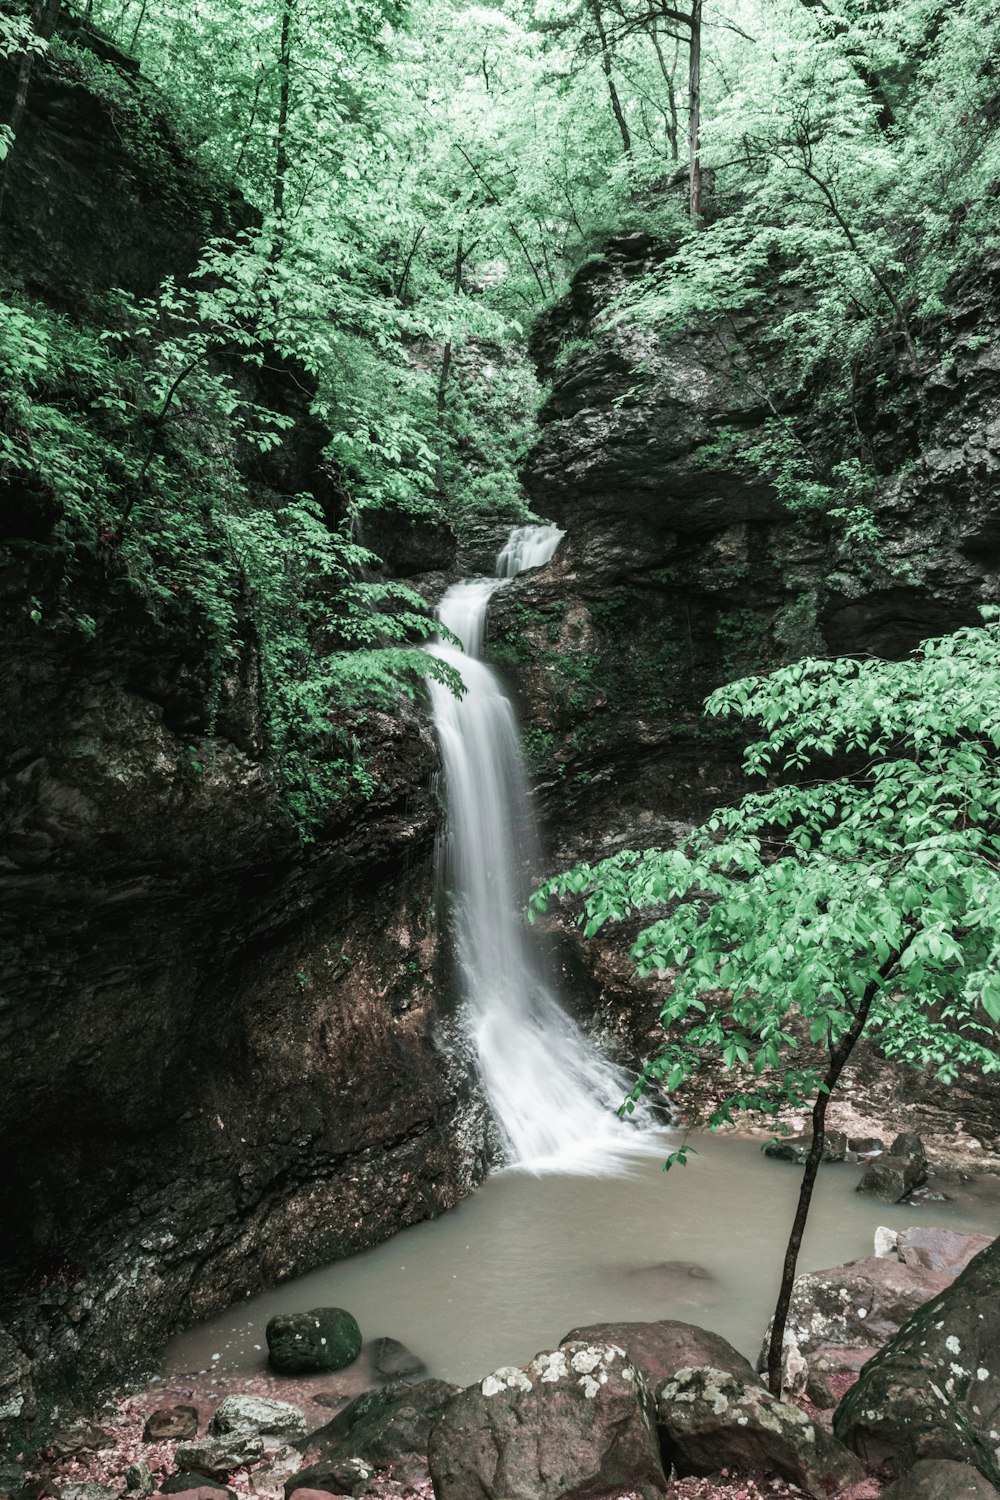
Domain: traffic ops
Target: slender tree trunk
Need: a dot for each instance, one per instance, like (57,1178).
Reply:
(281,151)
(609,74)
(839,1055)
(694,112)
(138,27)
(446,357)
(668,78)
(44,20)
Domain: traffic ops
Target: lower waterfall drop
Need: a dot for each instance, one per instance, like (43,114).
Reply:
(552,1093)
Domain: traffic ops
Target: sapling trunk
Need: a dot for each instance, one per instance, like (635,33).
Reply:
(840,1052)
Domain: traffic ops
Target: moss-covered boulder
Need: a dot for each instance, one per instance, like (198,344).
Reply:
(328,1338)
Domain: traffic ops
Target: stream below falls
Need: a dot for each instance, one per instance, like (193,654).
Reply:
(511,1270)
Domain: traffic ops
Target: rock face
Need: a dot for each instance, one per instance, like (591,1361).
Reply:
(222,1047)
(576,1422)
(680,569)
(933,1391)
(659,1349)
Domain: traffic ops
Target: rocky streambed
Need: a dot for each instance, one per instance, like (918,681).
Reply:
(629,1410)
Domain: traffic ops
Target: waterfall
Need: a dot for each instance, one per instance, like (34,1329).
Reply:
(552,1093)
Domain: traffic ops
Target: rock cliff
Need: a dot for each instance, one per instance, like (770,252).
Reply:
(222,1047)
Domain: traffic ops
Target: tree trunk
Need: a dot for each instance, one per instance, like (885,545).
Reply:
(694,113)
(44,20)
(616,104)
(281,151)
(839,1055)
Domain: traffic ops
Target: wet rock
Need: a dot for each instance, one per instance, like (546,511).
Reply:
(577,1421)
(710,1418)
(939,1249)
(171,1423)
(941,1479)
(385,1428)
(910,1146)
(327,1338)
(260,1415)
(933,1391)
(797,1148)
(139,1479)
(394,1361)
(865,1145)
(218,1456)
(659,1349)
(892,1178)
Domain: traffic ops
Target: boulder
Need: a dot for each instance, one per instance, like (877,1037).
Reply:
(259,1414)
(941,1479)
(171,1423)
(185,1483)
(394,1361)
(797,1148)
(218,1456)
(861,1304)
(85,1437)
(892,1178)
(910,1146)
(864,1145)
(327,1338)
(85,1490)
(939,1249)
(139,1479)
(194,1487)
(933,1391)
(576,1422)
(659,1349)
(709,1418)
(384,1428)
(334,1478)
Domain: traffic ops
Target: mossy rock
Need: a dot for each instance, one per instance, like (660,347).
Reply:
(327,1338)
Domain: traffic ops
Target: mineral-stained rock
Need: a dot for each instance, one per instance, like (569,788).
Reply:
(941,1479)
(797,1148)
(139,1479)
(933,1391)
(171,1422)
(659,1349)
(710,1418)
(892,1178)
(258,1414)
(218,1456)
(384,1428)
(831,1370)
(327,1338)
(576,1422)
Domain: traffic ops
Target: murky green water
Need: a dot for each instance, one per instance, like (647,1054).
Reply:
(513,1269)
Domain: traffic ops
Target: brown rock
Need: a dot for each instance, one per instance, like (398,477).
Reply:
(941,1479)
(576,1422)
(832,1370)
(659,1349)
(171,1422)
(939,1249)
(892,1178)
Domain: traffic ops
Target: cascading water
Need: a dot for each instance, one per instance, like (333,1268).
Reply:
(552,1093)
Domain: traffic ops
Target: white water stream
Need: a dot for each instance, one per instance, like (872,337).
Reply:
(553,1094)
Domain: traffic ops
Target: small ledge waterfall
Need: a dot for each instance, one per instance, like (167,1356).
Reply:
(553,1094)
